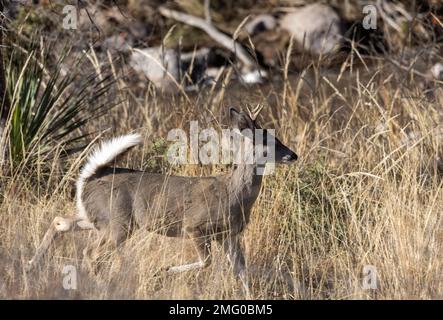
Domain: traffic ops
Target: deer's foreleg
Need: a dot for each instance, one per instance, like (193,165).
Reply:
(234,254)
(203,247)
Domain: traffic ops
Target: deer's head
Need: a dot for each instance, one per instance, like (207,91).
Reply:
(246,124)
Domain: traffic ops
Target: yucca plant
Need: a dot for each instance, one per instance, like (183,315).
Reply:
(49,106)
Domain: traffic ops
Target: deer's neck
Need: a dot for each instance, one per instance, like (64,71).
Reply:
(244,182)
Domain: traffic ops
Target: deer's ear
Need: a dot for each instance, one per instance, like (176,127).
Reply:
(240,120)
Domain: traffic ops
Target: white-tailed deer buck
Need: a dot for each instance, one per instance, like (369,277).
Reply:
(115,200)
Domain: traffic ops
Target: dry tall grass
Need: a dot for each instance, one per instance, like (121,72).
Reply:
(367,190)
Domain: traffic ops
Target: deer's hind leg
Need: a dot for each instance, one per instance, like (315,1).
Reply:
(58,225)
(93,251)
(110,237)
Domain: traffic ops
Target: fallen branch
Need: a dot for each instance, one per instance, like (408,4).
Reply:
(215,34)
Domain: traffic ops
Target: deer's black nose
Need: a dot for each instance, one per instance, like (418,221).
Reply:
(290,157)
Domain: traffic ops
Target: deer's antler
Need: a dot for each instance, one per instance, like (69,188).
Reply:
(255,112)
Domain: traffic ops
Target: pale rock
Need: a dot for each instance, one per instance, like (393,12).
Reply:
(159,65)
(437,71)
(166,67)
(316,26)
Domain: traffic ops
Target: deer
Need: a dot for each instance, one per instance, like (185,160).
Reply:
(114,201)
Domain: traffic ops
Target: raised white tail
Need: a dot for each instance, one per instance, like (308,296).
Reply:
(102,156)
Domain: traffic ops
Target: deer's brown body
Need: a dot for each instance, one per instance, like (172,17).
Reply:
(175,206)
(113,201)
